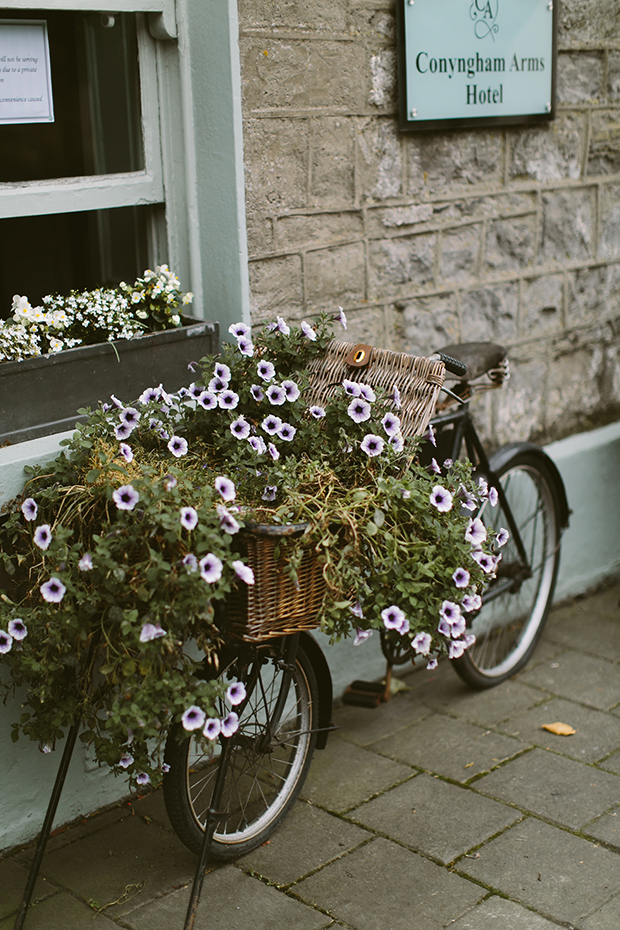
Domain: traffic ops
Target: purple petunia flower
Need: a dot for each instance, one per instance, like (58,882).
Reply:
(29,509)
(243,571)
(502,537)
(225,487)
(258,444)
(117,403)
(230,724)
(151,631)
(257,393)
(245,346)
(421,642)
(207,400)
(222,371)
(397,442)
(143,778)
(178,446)
(430,435)
(217,384)
(195,390)
(6,642)
(342,318)
(441,499)
(391,424)
(367,393)
(357,610)
(471,602)
(266,371)
(125,497)
(434,468)
(189,517)
(394,619)
(493,496)
(483,487)
(235,693)
(53,591)
(476,532)
(287,432)
(86,562)
(351,388)
(395,397)
(317,412)
(486,562)
(239,329)
(240,428)
(210,568)
(190,562)
(149,395)
(126,452)
(212,728)
(228,400)
(456,649)
(17,629)
(269,494)
(450,611)
(125,760)
(361,636)
(43,536)
(193,718)
(130,416)
(123,431)
(461,578)
(359,410)
(165,768)
(275,394)
(432,664)
(271,424)
(170,482)
(227,521)
(444,628)
(372,445)
(291,390)
(308,331)
(282,326)
(273,452)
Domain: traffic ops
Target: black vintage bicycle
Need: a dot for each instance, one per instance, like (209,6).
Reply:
(227,801)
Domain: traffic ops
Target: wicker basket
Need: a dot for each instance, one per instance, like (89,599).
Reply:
(274,605)
(419,380)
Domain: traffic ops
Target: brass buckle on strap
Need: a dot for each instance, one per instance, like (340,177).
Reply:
(359,356)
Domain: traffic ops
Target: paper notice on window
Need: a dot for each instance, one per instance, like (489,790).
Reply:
(25,73)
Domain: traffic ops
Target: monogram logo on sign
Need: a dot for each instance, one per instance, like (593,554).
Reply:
(484,14)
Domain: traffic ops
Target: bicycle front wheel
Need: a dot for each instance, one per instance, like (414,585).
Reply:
(517,602)
(267,765)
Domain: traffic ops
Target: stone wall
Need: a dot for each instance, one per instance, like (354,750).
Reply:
(509,234)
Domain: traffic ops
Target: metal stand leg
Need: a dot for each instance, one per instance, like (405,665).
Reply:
(47,824)
(212,818)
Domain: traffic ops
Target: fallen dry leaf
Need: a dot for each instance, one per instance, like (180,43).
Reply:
(560,729)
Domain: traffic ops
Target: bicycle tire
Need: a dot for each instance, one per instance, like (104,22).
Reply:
(261,785)
(508,627)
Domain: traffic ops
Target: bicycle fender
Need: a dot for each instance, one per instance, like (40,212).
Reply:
(502,457)
(324,684)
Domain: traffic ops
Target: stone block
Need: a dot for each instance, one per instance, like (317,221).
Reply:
(275,287)
(597,734)
(561,790)
(606,917)
(490,313)
(441,162)
(485,708)
(368,327)
(459,252)
(401,263)
(606,829)
(613,75)
(332,161)
(336,275)
(62,910)
(542,305)
(609,245)
(13,880)
(439,820)
(315,229)
(448,747)
(568,225)
(582,22)
(379,164)
(604,151)
(587,295)
(383,73)
(499,205)
(520,406)
(588,629)
(429,323)
(320,16)
(276,165)
(509,244)
(498,912)
(398,218)
(260,234)
(359,726)
(561,876)
(548,152)
(580,77)
(353,890)
(574,388)
(594,682)
(374,24)
(302,74)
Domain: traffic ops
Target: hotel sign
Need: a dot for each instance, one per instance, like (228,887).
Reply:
(467,63)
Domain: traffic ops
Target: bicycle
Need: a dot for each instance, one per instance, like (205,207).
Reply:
(229,800)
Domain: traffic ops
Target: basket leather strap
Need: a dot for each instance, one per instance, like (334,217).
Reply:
(359,356)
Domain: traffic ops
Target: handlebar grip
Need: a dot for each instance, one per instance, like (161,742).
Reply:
(453,365)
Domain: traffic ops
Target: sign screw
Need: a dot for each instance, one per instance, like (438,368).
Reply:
(414,113)
(549,5)
(411,2)
(548,108)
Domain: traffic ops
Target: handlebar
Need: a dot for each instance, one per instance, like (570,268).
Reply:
(452,364)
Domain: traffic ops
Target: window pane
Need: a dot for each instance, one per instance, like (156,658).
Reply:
(57,253)
(96,88)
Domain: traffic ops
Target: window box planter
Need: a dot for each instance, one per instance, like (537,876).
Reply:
(41,396)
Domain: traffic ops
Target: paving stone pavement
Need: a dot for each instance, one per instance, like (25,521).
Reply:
(445,807)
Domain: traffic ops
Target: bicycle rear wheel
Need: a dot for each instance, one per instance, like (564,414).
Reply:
(517,602)
(264,775)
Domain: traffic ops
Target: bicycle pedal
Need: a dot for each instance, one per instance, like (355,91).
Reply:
(366,694)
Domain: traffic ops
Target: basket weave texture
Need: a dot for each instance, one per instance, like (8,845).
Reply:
(274,605)
(419,381)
